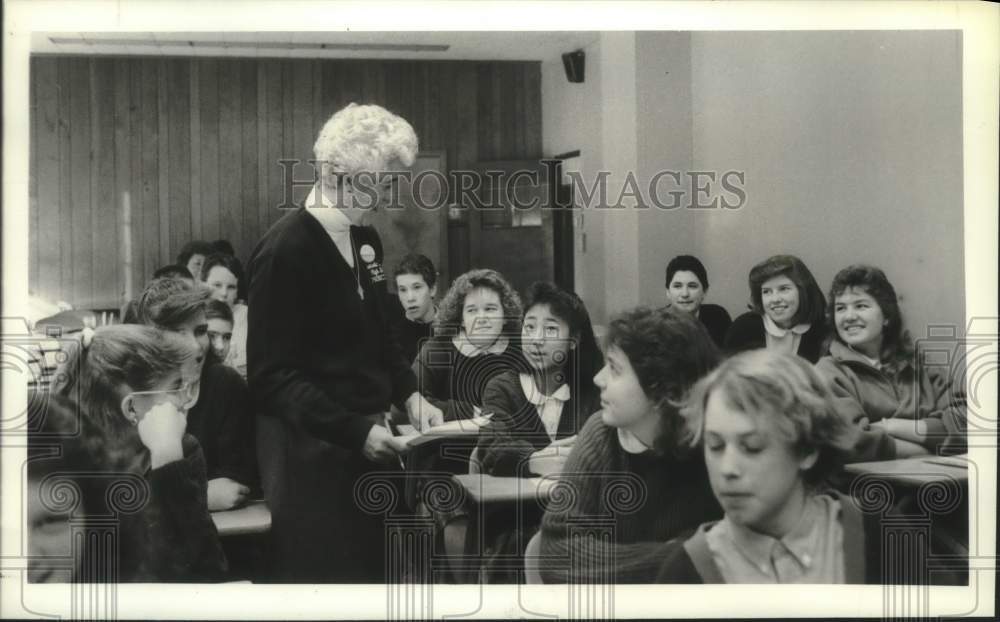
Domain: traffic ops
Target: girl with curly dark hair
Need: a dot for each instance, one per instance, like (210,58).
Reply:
(476,339)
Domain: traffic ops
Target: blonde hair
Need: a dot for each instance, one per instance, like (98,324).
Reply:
(782,387)
(363,139)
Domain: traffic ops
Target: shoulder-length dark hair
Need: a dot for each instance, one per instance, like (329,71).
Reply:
(586,358)
(812,305)
(449,315)
(669,352)
(897,345)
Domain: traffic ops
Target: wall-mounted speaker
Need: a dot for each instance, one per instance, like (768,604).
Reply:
(573,64)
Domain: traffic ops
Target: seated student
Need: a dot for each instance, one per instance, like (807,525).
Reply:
(221,420)
(129,314)
(475,341)
(543,404)
(193,255)
(416,286)
(220,329)
(134,385)
(787,314)
(687,285)
(222,274)
(225,247)
(772,437)
(173,271)
(629,462)
(873,371)
(57,460)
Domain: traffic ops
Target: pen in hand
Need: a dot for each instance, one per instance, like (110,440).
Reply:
(389,425)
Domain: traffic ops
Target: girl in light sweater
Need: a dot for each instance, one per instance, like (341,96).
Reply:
(878,378)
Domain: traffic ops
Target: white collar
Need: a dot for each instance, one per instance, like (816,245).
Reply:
(779,332)
(467,348)
(631,443)
(536,397)
(333,219)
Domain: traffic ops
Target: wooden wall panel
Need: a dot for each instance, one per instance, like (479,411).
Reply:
(133,157)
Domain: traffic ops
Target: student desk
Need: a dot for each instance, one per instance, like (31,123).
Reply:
(437,454)
(252,518)
(488,491)
(916,472)
(931,488)
(495,505)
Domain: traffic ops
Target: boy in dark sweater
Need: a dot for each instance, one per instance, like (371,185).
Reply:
(416,287)
(221,419)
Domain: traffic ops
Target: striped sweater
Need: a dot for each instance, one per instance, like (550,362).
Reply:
(616,511)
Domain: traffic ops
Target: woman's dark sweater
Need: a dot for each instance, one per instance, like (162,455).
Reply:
(639,500)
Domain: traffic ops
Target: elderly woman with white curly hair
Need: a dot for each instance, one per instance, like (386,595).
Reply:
(322,364)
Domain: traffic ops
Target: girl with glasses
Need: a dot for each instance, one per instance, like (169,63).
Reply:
(134,385)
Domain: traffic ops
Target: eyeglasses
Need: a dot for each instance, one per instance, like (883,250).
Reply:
(186,395)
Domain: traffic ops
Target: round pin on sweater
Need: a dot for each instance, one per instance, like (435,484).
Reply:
(367,253)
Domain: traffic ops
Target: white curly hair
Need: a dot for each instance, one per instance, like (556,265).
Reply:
(363,138)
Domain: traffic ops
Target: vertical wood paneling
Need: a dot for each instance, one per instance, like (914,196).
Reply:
(138,197)
(302,133)
(272,147)
(208,90)
(80,160)
(45,79)
(248,233)
(193,145)
(230,154)
(194,105)
(288,129)
(149,154)
(104,217)
(163,162)
(124,201)
(65,188)
(178,165)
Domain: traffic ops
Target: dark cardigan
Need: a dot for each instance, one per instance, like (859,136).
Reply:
(164,530)
(649,499)
(322,360)
(748,333)
(516,430)
(224,425)
(716,321)
(454,382)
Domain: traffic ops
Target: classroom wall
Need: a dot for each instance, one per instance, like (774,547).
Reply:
(572,120)
(185,148)
(851,145)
